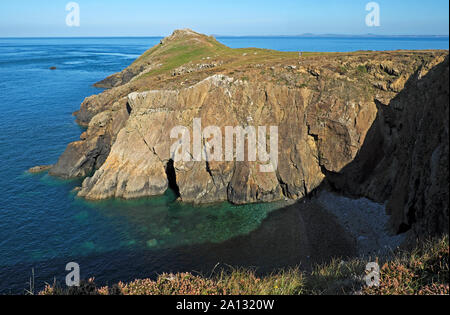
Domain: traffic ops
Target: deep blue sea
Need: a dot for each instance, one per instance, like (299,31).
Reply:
(43,226)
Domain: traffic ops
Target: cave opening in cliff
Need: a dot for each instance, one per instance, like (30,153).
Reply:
(172,178)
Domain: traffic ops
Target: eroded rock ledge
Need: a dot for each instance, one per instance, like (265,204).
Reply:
(372,124)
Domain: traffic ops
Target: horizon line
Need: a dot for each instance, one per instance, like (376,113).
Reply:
(237,36)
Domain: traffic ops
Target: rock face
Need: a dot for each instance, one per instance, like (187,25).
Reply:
(154,114)
(422,155)
(372,124)
(328,141)
(405,160)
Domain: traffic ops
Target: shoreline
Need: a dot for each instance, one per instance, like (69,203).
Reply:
(365,220)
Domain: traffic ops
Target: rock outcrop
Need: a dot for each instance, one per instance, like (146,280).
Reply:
(405,158)
(39,169)
(372,124)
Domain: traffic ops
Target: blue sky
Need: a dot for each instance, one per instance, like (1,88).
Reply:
(227,17)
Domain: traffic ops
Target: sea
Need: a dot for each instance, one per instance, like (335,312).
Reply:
(44,226)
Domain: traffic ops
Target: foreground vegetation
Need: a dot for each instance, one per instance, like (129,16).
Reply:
(422,271)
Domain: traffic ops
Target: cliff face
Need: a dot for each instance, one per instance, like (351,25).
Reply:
(217,101)
(404,160)
(371,124)
(419,198)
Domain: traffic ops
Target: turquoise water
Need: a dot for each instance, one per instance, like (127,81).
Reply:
(44,226)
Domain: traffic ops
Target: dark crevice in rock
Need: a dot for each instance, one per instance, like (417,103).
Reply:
(284,186)
(172,178)
(129,109)
(305,189)
(208,169)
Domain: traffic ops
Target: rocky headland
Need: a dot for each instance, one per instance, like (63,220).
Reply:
(365,124)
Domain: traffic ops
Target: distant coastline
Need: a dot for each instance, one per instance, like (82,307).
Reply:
(307,35)
(340,36)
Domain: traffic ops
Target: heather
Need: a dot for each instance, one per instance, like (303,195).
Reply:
(423,270)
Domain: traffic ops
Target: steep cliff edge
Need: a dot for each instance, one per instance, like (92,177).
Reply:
(405,158)
(371,124)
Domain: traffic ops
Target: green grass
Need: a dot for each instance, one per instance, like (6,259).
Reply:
(342,70)
(361,69)
(179,52)
(179,56)
(182,51)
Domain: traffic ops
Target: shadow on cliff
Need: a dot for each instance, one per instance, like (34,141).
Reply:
(395,162)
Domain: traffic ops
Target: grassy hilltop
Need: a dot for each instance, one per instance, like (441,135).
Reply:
(189,49)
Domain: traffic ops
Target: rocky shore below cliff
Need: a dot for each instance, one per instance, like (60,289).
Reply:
(365,221)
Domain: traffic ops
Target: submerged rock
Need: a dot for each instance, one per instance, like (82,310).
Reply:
(40,169)
(152,243)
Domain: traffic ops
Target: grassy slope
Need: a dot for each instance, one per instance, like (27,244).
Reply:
(187,49)
(190,48)
(424,270)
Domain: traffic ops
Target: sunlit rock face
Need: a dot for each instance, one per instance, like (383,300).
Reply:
(137,163)
(142,150)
